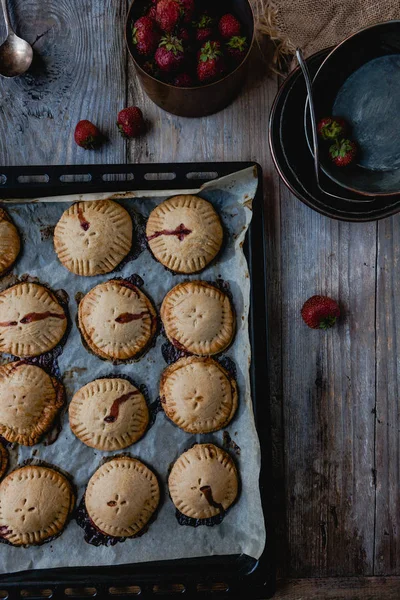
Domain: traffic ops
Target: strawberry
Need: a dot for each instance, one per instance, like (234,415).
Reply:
(343,152)
(331,128)
(204,28)
(229,26)
(169,56)
(187,10)
(152,12)
(145,35)
(168,13)
(320,312)
(211,63)
(184,35)
(183,80)
(130,122)
(236,48)
(87,135)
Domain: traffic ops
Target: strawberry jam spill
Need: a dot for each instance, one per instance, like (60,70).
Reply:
(190,522)
(208,495)
(93,535)
(84,224)
(171,353)
(181,232)
(154,408)
(129,317)
(229,366)
(33,317)
(114,410)
(229,444)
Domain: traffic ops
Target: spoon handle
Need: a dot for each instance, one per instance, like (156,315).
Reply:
(6,16)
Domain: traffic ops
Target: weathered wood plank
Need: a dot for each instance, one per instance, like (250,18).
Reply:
(387,552)
(78,72)
(329,394)
(349,588)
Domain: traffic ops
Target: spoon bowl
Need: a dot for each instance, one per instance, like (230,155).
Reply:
(15,56)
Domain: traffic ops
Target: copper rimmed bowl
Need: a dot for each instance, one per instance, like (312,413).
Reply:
(196,101)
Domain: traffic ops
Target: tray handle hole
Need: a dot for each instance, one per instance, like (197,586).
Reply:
(76,178)
(172,588)
(213,587)
(118,177)
(86,592)
(207,175)
(131,590)
(33,179)
(3,594)
(160,176)
(45,593)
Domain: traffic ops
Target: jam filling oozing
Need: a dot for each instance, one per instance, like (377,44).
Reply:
(114,410)
(32,317)
(128,317)
(207,491)
(181,231)
(84,224)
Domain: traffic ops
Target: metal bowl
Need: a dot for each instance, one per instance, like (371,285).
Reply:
(196,101)
(360,81)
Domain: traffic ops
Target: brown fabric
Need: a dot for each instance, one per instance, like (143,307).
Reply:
(316,24)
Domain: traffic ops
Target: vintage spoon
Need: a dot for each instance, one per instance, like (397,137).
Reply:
(15,53)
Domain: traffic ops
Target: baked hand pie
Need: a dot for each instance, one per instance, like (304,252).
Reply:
(32,321)
(108,414)
(92,238)
(198,394)
(10,243)
(117,320)
(35,503)
(198,318)
(122,496)
(203,482)
(184,233)
(3,460)
(29,402)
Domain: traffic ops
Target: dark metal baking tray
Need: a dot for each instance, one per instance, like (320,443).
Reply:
(230,576)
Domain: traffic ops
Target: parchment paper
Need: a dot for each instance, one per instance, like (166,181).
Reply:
(242,530)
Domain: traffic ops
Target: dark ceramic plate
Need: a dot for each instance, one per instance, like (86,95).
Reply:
(360,81)
(294,161)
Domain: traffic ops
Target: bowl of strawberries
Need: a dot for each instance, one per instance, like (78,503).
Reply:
(191,56)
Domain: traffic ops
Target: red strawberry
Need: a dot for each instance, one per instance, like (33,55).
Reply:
(152,12)
(211,63)
(168,13)
(204,28)
(169,56)
(236,48)
(130,122)
(320,312)
(229,26)
(184,35)
(183,80)
(187,10)
(88,136)
(343,152)
(145,35)
(331,128)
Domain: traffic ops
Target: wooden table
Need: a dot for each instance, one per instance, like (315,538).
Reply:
(334,395)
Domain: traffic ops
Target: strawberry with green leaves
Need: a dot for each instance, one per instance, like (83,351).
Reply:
(170,56)
(87,135)
(130,122)
(168,14)
(320,312)
(204,28)
(236,49)
(343,152)
(211,63)
(331,128)
(145,35)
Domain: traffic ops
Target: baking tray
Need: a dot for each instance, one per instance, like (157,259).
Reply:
(230,576)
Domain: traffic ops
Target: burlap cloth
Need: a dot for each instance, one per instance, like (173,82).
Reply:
(316,24)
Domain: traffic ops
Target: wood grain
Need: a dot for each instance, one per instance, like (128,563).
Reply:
(334,395)
(349,588)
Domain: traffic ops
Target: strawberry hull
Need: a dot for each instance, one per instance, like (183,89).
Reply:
(195,101)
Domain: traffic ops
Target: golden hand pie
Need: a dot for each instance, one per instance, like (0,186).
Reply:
(122,496)
(35,503)
(198,318)
(32,321)
(184,233)
(10,243)
(108,414)
(117,320)
(29,402)
(203,482)
(198,394)
(92,238)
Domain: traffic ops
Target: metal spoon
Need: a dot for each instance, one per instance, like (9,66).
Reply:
(15,53)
